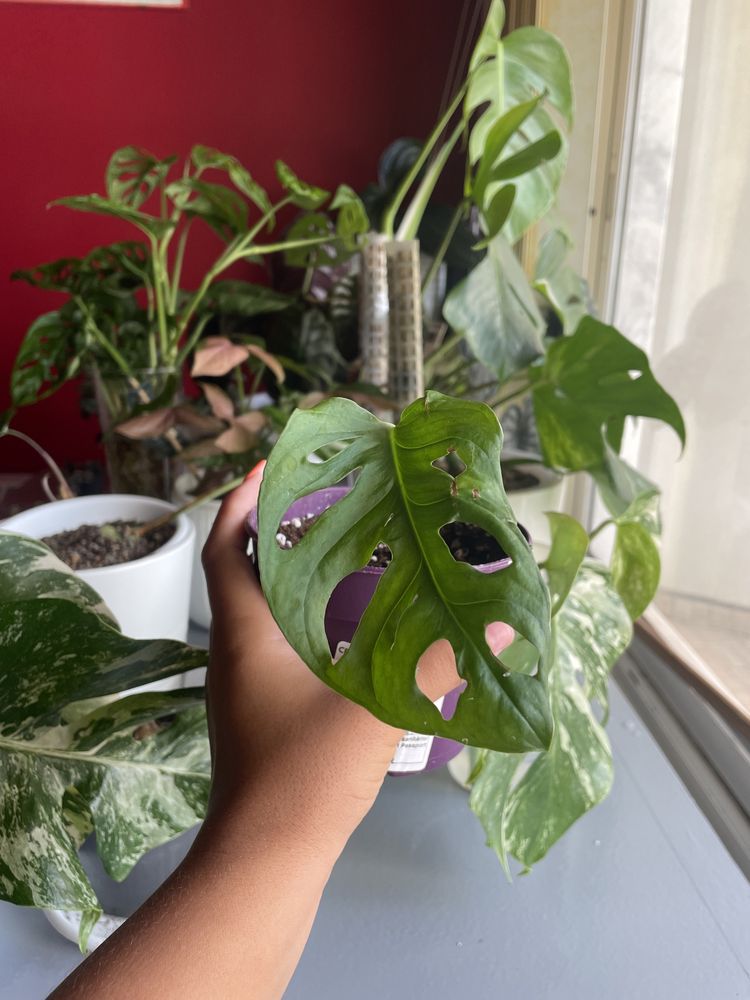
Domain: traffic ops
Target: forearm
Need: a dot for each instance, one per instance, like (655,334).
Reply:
(232,920)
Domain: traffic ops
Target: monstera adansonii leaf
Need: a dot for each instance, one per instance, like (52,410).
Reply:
(400,498)
(525,812)
(589,383)
(72,760)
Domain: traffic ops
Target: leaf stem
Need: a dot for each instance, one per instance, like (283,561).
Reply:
(437,260)
(66,492)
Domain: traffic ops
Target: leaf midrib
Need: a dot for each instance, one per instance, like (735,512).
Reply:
(79,757)
(446,604)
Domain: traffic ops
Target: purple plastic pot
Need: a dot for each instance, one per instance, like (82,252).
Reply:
(416,753)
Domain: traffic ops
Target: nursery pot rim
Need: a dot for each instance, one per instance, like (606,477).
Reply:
(183,533)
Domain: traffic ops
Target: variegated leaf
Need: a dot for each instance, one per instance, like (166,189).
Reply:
(28,570)
(73,760)
(526,817)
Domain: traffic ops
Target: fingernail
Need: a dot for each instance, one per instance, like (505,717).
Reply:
(498,635)
(255,469)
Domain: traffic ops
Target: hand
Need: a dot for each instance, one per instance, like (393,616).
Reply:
(279,735)
(296,767)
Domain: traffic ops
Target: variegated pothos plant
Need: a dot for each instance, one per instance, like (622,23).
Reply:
(77,757)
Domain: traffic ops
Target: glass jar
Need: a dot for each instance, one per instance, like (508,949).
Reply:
(140,466)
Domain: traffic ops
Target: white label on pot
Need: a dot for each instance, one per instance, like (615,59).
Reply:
(340,650)
(413,750)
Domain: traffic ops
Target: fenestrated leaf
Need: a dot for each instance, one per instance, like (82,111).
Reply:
(401,499)
(635,566)
(133,174)
(494,309)
(527,817)
(586,381)
(526,64)
(570,542)
(29,570)
(302,194)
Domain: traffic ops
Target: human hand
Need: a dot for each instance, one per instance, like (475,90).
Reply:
(278,734)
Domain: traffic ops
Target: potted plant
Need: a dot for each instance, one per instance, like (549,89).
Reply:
(143,577)
(129,323)
(135,770)
(582,386)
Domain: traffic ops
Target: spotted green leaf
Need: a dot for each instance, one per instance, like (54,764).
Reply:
(302,194)
(206,158)
(401,499)
(133,174)
(524,812)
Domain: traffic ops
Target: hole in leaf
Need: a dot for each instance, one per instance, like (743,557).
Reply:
(437,677)
(451,463)
(329,451)
(304,512)
(153,727)
(520,657)
(471,544)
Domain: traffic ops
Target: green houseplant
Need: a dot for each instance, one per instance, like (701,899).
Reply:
(583,386)
(538,714)
(128,319)
(73,759)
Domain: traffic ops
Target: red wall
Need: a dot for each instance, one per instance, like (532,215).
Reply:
(324,85)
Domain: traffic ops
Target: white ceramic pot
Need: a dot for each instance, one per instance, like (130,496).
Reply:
(149,597)
(203,519)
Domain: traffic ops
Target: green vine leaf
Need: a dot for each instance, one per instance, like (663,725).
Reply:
(402,500)
(635,566)
(589,382)
(525,817)
(570,542)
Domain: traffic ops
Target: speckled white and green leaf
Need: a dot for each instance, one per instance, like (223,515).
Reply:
(28,569)
(525,812)
(70,766)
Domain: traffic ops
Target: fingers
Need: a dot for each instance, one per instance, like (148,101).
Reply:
(498,636)
(436,672)
(229,574)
